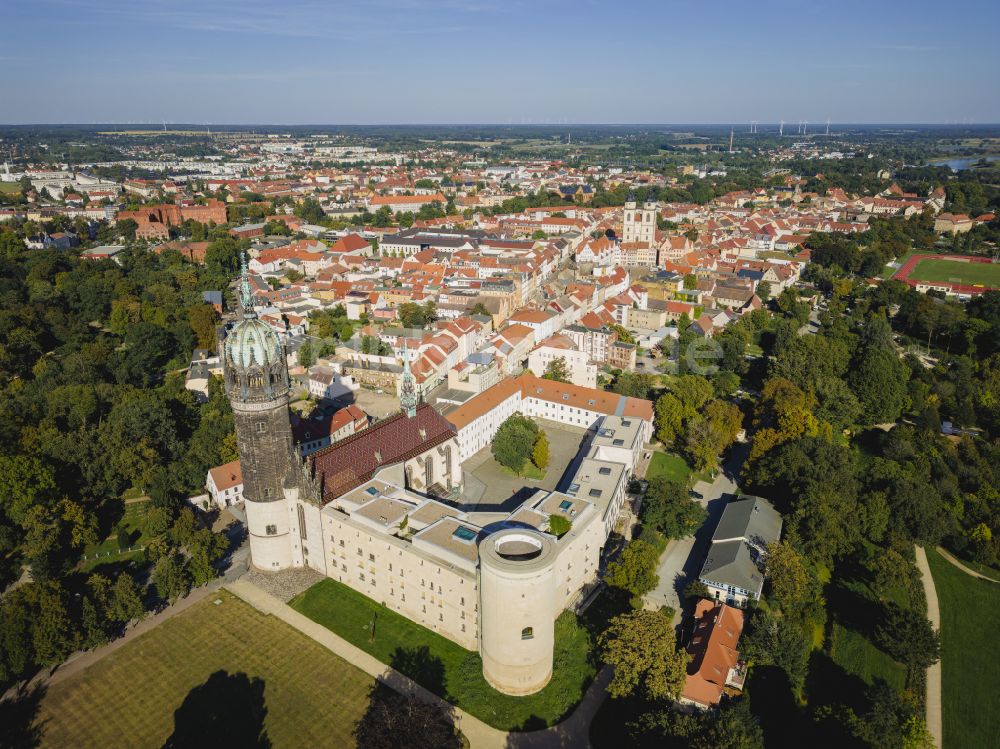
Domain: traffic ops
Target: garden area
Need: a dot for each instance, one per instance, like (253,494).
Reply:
(970,654)
(671,467)
(446,668)
(126,541)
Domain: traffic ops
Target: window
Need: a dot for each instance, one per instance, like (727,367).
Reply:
(605,471)
(595,492)
(464,534)
(527,633)
(565,504)
(371,557)
(302,522)
(271,530)
(260,427)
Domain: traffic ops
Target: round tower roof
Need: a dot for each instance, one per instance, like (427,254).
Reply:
(252,341)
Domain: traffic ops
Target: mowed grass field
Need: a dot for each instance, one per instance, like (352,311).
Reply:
(970,655)
(933,269)
(673,467)
(448,669)
(312,697)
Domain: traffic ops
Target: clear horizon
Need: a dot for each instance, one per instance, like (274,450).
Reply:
(431,62)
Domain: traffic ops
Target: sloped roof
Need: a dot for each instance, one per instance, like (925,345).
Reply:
(347,464)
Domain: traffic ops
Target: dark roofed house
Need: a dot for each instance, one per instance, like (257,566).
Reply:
(733,571)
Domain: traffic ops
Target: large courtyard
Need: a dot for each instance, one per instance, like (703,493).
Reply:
(491,487)
(222,668)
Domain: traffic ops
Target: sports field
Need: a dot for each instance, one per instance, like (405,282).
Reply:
(968,274)
(216,669)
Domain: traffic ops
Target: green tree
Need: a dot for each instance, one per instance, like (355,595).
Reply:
(669,418)
(878,376)
(907,636)
(307,354)
(642,649)
(635,570)
(791,583)
(559,525)
(125,601)
(540,452)
(667,507)
(514,442)
(170,577)
(557,370)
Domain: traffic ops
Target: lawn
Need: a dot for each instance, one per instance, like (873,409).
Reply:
(448,669)
(853,652)
(200,658)
(970,654)
(108,551)
(673,467)
(986,274)
(10,188)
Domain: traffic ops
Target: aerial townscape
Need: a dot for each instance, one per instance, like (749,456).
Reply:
(520,434)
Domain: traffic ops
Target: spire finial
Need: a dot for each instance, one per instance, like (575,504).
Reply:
(408,386)
(246,296)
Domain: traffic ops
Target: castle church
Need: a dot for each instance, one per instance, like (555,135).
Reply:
(381,510)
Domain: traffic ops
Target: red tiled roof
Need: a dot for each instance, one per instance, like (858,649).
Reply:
(349,463)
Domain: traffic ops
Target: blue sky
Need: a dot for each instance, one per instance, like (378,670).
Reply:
(507,61)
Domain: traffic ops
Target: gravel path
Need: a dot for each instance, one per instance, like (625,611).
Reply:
(934,724)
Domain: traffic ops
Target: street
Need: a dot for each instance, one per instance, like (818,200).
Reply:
(683,558)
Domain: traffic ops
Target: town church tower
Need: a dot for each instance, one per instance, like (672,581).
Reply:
(256,378)
(639,224)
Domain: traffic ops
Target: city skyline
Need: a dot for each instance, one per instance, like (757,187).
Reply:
(414,62)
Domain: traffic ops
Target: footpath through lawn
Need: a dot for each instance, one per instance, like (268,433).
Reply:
(970,655)
(446,668)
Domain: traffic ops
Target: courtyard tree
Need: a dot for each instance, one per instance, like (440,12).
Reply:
(540,451)
(557,370)
(515,442)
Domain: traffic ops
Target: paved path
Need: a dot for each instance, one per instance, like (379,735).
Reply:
(83,659)
(572,732)
(934,724)
(947,555)
(682,560)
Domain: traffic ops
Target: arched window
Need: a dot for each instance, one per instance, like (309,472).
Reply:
(527,633)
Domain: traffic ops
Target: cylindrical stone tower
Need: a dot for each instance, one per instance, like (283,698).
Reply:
(517,599)
(256,377)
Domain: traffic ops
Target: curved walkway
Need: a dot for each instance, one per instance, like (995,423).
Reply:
(572,732)
(933,716)
(948,556)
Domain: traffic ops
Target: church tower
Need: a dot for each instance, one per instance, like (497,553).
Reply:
(639,225)
(256,378)
(407,387)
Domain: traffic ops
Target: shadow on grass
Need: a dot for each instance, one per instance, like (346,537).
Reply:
(421,666)
(19,726)
(401,721)
(227,710)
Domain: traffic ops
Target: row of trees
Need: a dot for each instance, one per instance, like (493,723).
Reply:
(92,355)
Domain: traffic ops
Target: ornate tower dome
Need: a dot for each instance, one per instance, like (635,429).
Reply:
(256,375)
(253,356)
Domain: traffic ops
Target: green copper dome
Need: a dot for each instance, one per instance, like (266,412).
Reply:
(253,342)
